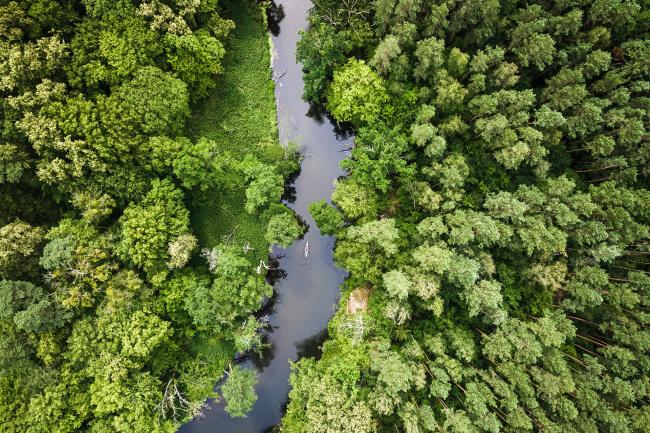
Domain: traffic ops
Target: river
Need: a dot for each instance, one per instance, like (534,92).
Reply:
(308,287)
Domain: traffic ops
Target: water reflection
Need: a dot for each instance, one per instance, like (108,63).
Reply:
(274,274)
(312,346)
(342,130)
(317,113)
(274,14)
(262,358)
(289,193)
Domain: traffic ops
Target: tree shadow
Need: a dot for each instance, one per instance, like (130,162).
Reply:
(311,347)
(274,274)
(274,15)
(262,358)
(289,193)
(317,113)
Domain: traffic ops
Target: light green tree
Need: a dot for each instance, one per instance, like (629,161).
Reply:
(239,391)
(357,94)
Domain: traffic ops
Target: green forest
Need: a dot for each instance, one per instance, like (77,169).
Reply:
(494,219)
(139,194)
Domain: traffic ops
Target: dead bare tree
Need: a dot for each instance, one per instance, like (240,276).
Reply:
(212,257)
(263,265)
(173,405)
(344,14)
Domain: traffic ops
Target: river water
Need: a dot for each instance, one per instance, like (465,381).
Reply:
(308,287)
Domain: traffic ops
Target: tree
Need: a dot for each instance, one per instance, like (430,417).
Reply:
(485,298)
(239,391)
(235,292)
(195,59)
(155,101)
(196,165)
(29,307)
(430,56)
(322,50)
(354,200)
(13,163)
(283,229)
(503,244)
(180,250)
(96,265)
(94,207)
(327,218)
(385,52)
(324,399)
(147,228)
(18,242)
(395,378)
(357,94)
(397,284)
(265,187)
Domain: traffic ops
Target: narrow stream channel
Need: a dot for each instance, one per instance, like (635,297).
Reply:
(308,289)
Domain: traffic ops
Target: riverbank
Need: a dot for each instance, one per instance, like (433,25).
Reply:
(240,116)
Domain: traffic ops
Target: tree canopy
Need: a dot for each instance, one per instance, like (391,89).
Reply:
(116,313)
(495,211)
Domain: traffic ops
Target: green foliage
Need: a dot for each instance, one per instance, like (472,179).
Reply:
(283,229)
(357,94)
(197,165)
(326,47)
(235,292)
(493,218)
(328,219)
(18,241)
(195,59)
(239,391)
(156,101)
(239,117)
(265,187)
(355,200)
(148,228)
(180,250)
(108,323)
(328,399)
(13,163)
(28,307)
(321,39)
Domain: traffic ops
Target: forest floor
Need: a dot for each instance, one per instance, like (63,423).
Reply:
(240,115)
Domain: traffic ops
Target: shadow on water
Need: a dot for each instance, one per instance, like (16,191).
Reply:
(312,347)
(343,131)
(274,14)
(289,193)
(263,357)
(275,273)
(318,113)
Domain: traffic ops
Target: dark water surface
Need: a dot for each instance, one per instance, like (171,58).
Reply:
(308,287)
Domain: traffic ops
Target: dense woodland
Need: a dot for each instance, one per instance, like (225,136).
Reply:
(115,314)
(494,220)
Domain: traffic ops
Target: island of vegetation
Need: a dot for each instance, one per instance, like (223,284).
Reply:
(140,185)
(495,218)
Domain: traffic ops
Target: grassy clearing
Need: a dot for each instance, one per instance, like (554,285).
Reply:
(239,115)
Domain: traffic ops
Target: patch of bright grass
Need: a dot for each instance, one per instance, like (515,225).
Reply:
(239,115)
